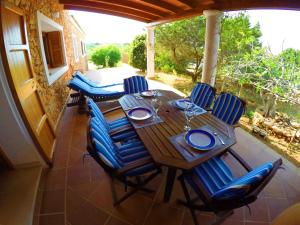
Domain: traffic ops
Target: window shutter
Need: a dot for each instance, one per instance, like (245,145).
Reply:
(55,49)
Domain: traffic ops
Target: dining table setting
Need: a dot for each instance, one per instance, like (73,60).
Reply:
(177,133)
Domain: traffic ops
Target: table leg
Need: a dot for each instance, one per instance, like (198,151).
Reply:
(169,184)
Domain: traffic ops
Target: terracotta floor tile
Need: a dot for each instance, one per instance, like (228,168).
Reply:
(134,209)
(55,179)
(259,211)
(255,223)
(79,174)
(102,197)
(115,221)
(232,222)
(203,219)
(163,214)
(53,201)
(57,219)
(87,214)
(276,206)
(275,189)
(86,190)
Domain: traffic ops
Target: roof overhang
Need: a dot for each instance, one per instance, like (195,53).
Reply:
(155,12)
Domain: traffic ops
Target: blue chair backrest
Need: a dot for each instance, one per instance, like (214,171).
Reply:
(80,86)
(135,84)
(242,186)
(80,76)
(203,95)
(229,108)
(96,112)
(103,145)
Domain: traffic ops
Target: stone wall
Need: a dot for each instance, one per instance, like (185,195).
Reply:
(53,97)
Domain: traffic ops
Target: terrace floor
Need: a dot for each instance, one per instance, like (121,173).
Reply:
(74,193)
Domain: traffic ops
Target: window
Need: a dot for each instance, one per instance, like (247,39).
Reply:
(83,49)
(52,48)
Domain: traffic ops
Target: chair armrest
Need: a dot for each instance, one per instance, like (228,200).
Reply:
(239,159)
(119,130)
(134,165)
(111,110)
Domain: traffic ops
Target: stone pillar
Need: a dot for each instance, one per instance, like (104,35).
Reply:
(212,39)
(150,53)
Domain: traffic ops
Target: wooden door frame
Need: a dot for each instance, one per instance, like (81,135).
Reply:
(5,62)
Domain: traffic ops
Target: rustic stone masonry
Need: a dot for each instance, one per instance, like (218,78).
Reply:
(53,97)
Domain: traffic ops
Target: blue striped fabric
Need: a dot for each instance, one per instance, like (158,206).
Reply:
(125,135)
(80,86)
(203,95)
(214,174)
(219,182)
(135,84)
(80,76)
(96,112)
(117,157)
(243,185)
(228,108)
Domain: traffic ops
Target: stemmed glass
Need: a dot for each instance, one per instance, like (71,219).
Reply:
(155,105)
(189,114)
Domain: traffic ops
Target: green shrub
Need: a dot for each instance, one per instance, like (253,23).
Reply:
(108,55)
(250,114)
(137,54)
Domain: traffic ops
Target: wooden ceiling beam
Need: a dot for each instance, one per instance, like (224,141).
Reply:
(135,6)
(190,3)
(163,5)
(107,12)
(112,8)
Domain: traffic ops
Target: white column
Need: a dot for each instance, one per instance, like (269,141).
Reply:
(150,53)
(212,39)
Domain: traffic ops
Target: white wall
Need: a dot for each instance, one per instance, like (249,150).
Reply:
(15,140)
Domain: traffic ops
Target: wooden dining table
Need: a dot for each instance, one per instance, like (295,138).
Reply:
(160,138)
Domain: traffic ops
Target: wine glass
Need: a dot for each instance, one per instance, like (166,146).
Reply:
(189,113)
(155,105)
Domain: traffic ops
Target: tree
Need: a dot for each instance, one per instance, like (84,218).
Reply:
(237,37)
(184,40)
(137,54)
(108,55)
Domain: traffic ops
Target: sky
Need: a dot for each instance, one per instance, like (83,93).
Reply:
(280,28)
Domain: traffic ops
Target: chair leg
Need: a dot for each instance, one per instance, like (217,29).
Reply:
(139,186)
(188,201)
(113,190)
(221,216)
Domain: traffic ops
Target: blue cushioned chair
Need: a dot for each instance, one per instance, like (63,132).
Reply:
(229,108)
(219,191)
(130,160)
(135,84)
(119,129)
(203,95)
(79,75)
(85,88)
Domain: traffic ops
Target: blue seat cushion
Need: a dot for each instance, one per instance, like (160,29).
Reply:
(80,86)
(241,186)
(212,174)
(82,77)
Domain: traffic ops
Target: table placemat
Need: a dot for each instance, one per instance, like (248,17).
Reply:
(191,154)
(149,122)
(197,113)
